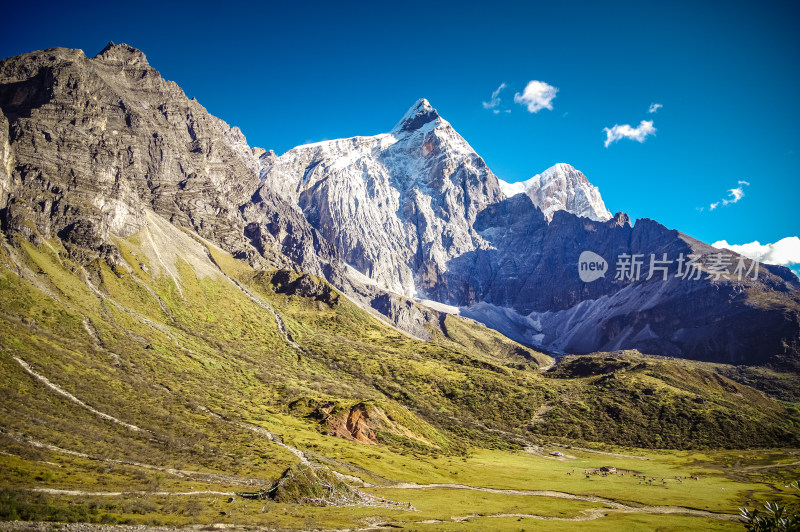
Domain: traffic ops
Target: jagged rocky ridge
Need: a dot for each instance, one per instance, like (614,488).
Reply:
(93,147)
(93,143)
(528,286)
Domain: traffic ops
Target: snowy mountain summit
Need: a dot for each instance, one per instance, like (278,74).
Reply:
(397,206)
(561,188)
(400,206)
(418,115)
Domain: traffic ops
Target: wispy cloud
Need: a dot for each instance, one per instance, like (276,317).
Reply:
(495,101)
(785,252)
(626,131)
(537,95)
(654,107)
(734,195)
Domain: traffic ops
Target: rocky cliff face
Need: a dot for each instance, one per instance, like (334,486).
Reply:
(400,207)
(89,145)
(417,212)
(96,142)
(528,286)
(5,161)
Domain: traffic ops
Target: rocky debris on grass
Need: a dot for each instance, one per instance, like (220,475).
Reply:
(313,485)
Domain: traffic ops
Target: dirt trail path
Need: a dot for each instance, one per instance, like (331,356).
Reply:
(615,455)
(274,438)
(585,515)
(770,466)
(592,514)
(609,505)
(500,491)
(155,296)
(103,297)
(255,299)
(44,380)
(547,367)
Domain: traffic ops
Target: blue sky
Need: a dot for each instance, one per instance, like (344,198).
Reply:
(726,74)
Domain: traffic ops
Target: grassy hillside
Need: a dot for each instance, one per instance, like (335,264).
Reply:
(182,375)
(629,399)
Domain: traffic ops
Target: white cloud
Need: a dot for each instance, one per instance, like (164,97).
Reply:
(495,101)
(654,107)
(537,95)
(734,195)
(625,131)
(784,252)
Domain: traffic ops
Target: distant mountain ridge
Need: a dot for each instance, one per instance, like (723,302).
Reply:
(93,148)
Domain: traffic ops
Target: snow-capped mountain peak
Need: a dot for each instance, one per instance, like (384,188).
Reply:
(561,188)
(398,206)
(421,113)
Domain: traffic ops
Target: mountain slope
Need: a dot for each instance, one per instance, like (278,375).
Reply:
(528,286)
(90,145)
(185,336)
(179,390)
